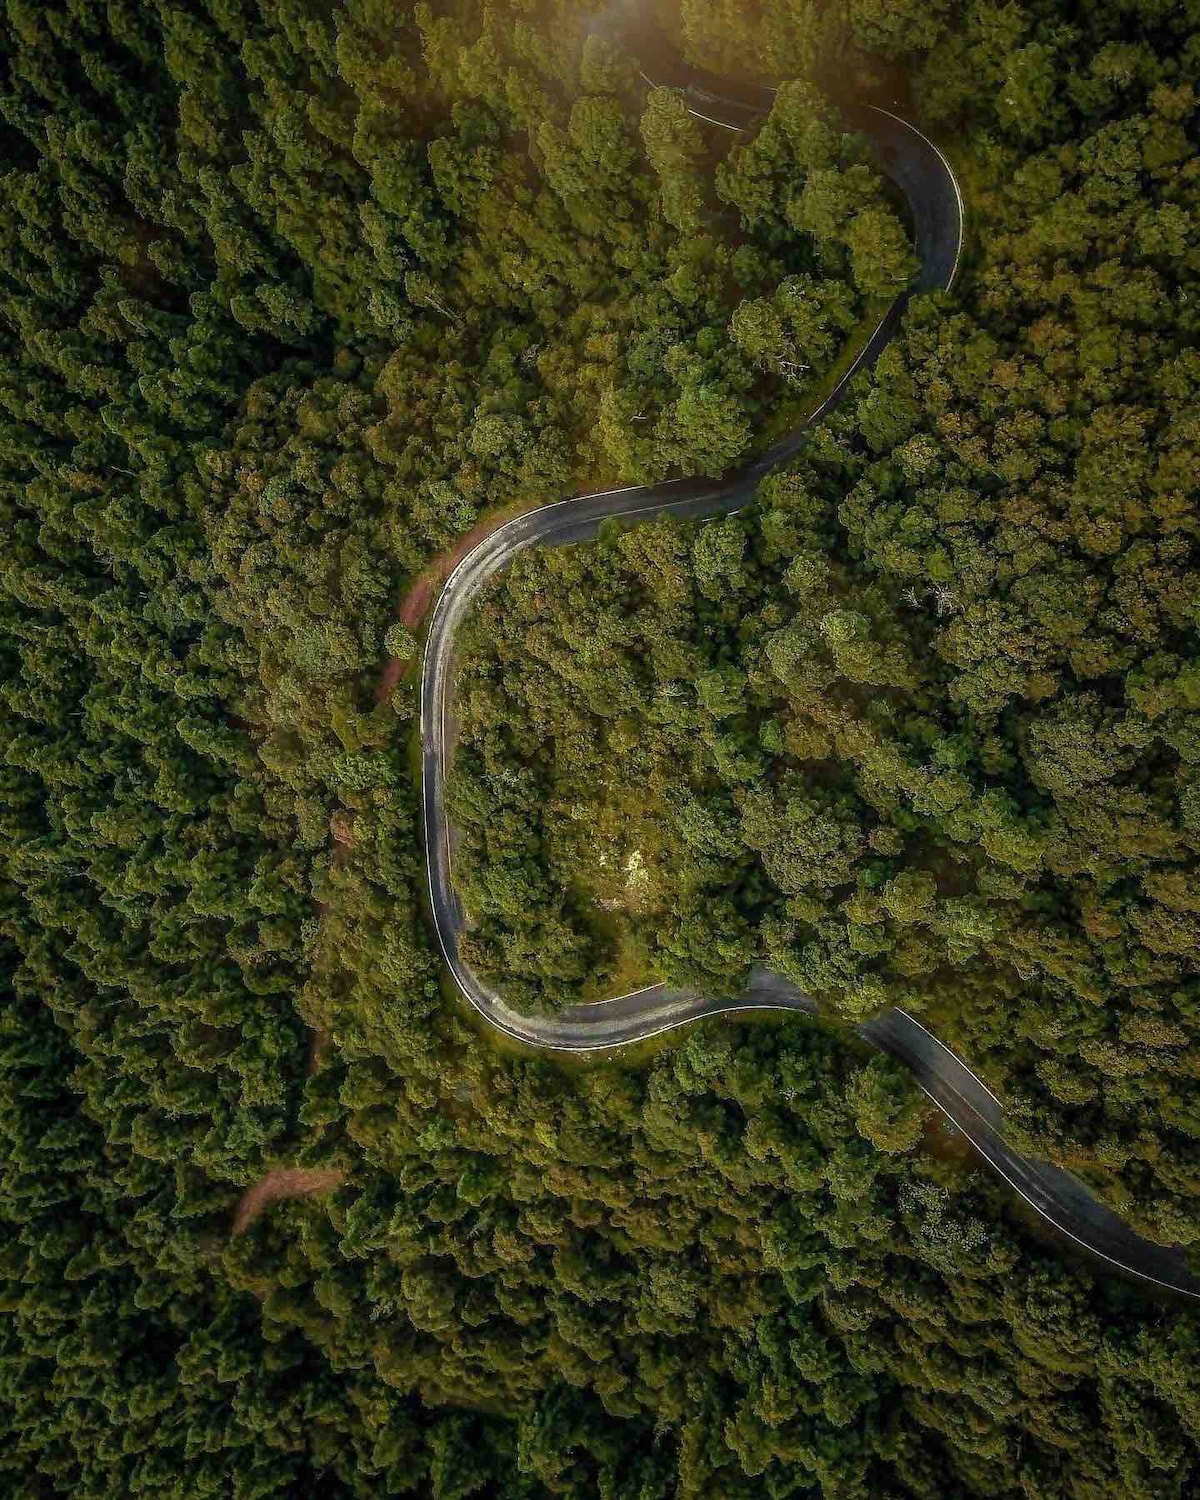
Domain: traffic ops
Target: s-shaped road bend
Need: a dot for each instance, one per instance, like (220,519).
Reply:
(927,181)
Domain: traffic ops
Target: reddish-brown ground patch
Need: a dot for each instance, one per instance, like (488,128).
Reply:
(414,606)
(318,1043)
(283,1182)
(393,670)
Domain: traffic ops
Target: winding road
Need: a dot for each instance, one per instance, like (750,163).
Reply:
(927,181)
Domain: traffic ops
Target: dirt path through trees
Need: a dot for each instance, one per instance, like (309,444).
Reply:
(299,1182)
(414,605)
(283,1182)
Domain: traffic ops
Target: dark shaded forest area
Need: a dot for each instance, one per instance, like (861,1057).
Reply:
(292,295)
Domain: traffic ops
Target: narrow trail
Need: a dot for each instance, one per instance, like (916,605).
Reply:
(299,1182)
(280,1183)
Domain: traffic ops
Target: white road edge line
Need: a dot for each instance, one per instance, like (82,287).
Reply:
(950,173)
(951,1052)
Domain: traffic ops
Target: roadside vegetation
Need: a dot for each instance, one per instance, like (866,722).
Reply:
(291,297)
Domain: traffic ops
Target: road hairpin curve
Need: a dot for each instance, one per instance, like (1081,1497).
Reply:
(926,179)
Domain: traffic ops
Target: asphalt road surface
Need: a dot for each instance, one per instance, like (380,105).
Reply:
(926,180)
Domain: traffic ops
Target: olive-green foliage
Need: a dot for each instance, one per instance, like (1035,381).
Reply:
(290,295)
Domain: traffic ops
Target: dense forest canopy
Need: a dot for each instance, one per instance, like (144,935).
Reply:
(292,297)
